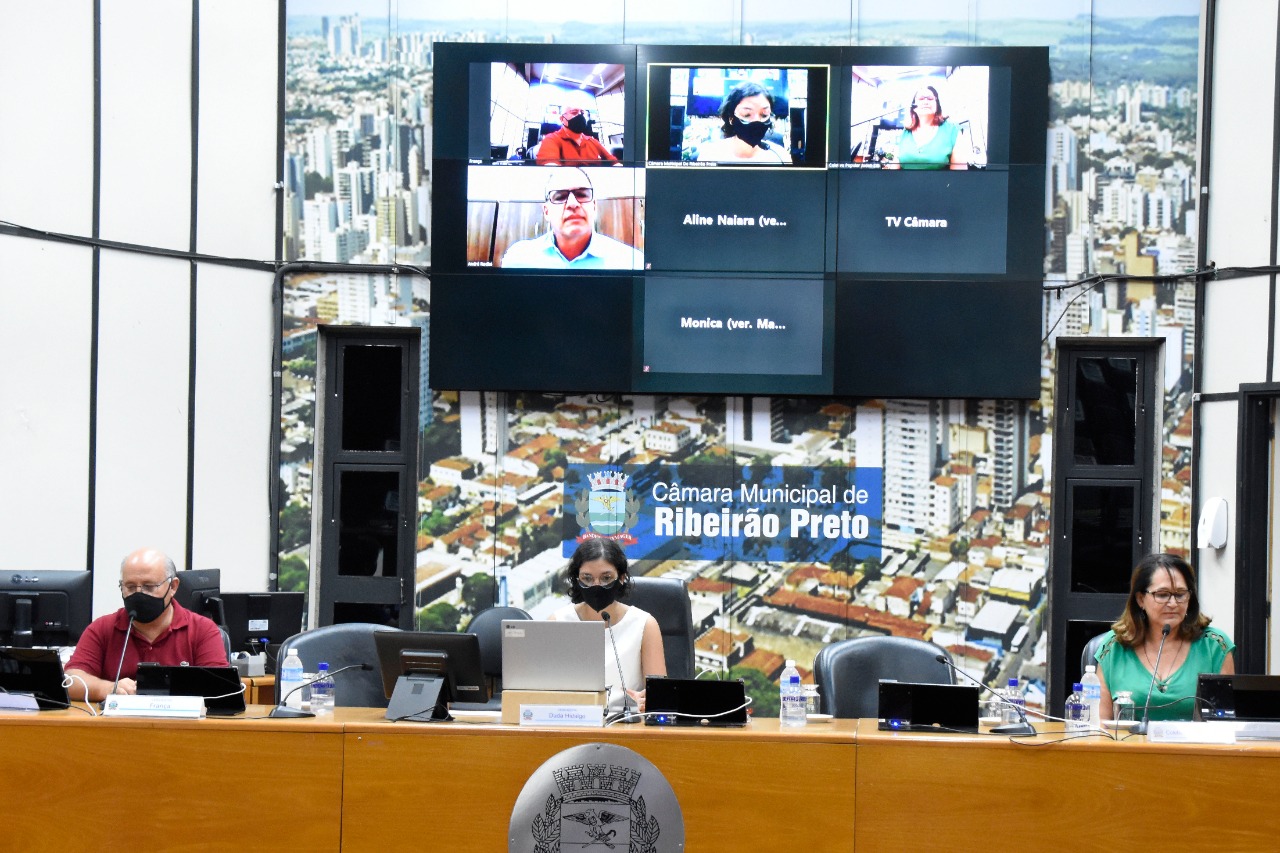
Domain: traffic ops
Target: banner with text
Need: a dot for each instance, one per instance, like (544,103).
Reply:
(740,512)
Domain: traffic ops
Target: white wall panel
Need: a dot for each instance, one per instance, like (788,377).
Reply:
(45,333)
(142,412)
(146,129)
(46,176)
(1217,474)
(232,522)
(46,166)
(238,115)
(235,315)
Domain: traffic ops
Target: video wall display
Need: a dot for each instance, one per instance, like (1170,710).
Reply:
(739,191)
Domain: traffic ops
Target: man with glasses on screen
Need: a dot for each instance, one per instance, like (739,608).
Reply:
(162,631)
(571,241)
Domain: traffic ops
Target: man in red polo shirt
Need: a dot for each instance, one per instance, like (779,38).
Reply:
(571,143)
(163,631)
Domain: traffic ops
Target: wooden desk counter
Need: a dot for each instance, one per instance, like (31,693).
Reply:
(407,783)
(976,792)
(69,781)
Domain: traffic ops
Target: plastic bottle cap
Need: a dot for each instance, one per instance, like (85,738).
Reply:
(1077,687)
(324,667)
(790,662)
(1090,668)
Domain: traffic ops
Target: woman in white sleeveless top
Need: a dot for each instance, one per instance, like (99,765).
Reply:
(598,579)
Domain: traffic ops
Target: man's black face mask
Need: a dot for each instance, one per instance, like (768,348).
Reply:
(145,608)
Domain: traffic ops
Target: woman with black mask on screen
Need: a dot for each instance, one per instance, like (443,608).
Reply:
(598,579)
(747,117)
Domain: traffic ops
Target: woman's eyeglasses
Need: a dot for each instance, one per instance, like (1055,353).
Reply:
(586,581)
(1163,595)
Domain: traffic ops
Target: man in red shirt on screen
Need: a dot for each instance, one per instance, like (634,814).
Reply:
(163,632)
(571,143)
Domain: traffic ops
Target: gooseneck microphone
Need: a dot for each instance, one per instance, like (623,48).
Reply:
(133,614)
(617,659)
(1141,728)
(282,710)
(1022,727)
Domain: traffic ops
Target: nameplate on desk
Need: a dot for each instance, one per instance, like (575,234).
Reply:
(18,702)
(176,707)
(1179,731)
(561,715)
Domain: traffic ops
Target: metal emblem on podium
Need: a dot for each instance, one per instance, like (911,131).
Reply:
(597,796)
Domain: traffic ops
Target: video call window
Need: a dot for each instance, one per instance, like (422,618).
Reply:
(743,116)
(555,217)
(914,117)
(556,112)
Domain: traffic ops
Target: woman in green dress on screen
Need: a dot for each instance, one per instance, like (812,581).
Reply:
(1163,606)
(930,140)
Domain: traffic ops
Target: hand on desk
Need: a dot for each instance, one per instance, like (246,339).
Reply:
(638,697)
(127,686)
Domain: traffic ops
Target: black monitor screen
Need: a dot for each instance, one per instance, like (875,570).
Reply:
(737,187)
(44,608)
(198,592)
(458,662)
(258,621)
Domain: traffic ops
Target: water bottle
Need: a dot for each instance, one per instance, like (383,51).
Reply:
(1016,701)
(791,697)
(322,691)
(1091,686)
(1076,712)
(290,677)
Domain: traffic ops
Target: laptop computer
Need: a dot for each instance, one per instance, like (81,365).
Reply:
(1240,696)
(220,686)
(690,702)
(909,706)
(36,672)
(552,655)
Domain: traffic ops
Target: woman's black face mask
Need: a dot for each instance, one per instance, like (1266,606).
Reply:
(751,132)
(600,596)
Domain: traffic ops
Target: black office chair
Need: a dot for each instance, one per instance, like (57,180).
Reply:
(487,626)
(1089,650)
(668,600)
(342,645)
(848,672)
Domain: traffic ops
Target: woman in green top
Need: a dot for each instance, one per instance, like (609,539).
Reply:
(1162,592)
(931,140)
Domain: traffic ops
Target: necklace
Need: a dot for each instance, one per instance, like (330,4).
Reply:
(1162,684)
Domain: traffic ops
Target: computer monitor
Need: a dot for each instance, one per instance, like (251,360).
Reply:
(261,621)
(44,608)
(198,591)
(423,671)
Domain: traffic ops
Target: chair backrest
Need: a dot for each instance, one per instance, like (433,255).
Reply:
(487,626)
(342,645)
(1089,650)
(667,599)
(848,672)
